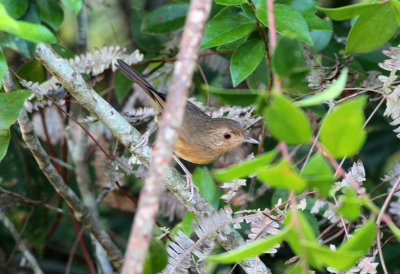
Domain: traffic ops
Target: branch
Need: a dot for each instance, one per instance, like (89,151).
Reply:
(82,213)
(129,137)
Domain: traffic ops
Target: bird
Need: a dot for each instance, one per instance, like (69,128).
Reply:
(201,139)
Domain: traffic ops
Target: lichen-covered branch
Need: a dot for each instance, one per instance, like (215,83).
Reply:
(81,213)
(129,137)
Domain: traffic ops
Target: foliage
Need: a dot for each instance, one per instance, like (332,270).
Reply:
(324,104)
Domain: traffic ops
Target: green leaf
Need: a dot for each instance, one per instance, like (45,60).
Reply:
(239,97)
(319,174)
(250,250)
(122,86)
(395,230)
(51,13)
(11,105)
(185,225)
(350,207)
(361,240)
(74,5)
(288,21)
(341,130)
(340,260)
(245,60)
(207,187)
(231,2)
(287,122)
(329,94)
(321,38)
(32,71)
(347,12)
(3,67)
(244,169)
(28,31)
(225,29)
(363,36)
(165,19)
(15,10)
(259,79)
(286,56)
(146,42)
(283,175)
(157,257)
(314,22)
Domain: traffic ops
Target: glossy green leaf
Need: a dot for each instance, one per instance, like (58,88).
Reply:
(259,79)
(225,29)
(15,8)
(74,5)
(239,97)
(206,185)
(361,240)
(244,169)
(122,86)
(347,12)
(157,257)
(51,13)
(296,243)
(288,21)
(231,2)
(165,19)
(321,38)
(329,94)
(341,130)
(314,22)
(287,56)
(185,225)
(11,105)
(245,60)
(3,67)
(28,31)
(350,204)
(287,122)
(340,260)
(282,175)
(250,250)
(363,36)
(319,174)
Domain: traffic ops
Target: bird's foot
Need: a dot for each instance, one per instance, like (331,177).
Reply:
(144,140)
(190,184)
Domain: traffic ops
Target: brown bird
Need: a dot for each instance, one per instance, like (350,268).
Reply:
(201,139)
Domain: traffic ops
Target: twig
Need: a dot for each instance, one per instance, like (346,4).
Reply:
(33,202)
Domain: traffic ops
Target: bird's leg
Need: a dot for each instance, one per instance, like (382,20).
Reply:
(189,180)
(145,137)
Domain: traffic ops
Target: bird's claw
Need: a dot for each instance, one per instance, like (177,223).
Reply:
(190,184)
(144,140)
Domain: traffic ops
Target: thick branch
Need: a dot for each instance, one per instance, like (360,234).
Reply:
(129,137)
(81,212)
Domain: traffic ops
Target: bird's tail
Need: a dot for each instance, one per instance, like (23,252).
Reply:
(157,97)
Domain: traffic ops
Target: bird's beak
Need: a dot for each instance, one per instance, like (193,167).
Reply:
(248,139)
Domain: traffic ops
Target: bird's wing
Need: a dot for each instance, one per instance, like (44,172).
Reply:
(157,97)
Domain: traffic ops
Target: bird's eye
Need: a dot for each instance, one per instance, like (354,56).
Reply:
(227,136)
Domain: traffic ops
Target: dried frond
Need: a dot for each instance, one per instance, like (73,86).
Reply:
(354,178)
(171,207)
(140,115)
(263,226)
(54,125)
(392,177)
(215,62)
(392,96)
(232,189)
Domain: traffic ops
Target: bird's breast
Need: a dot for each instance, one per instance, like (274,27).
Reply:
(193,152)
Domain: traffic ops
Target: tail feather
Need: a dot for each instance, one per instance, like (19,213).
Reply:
(157,97)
